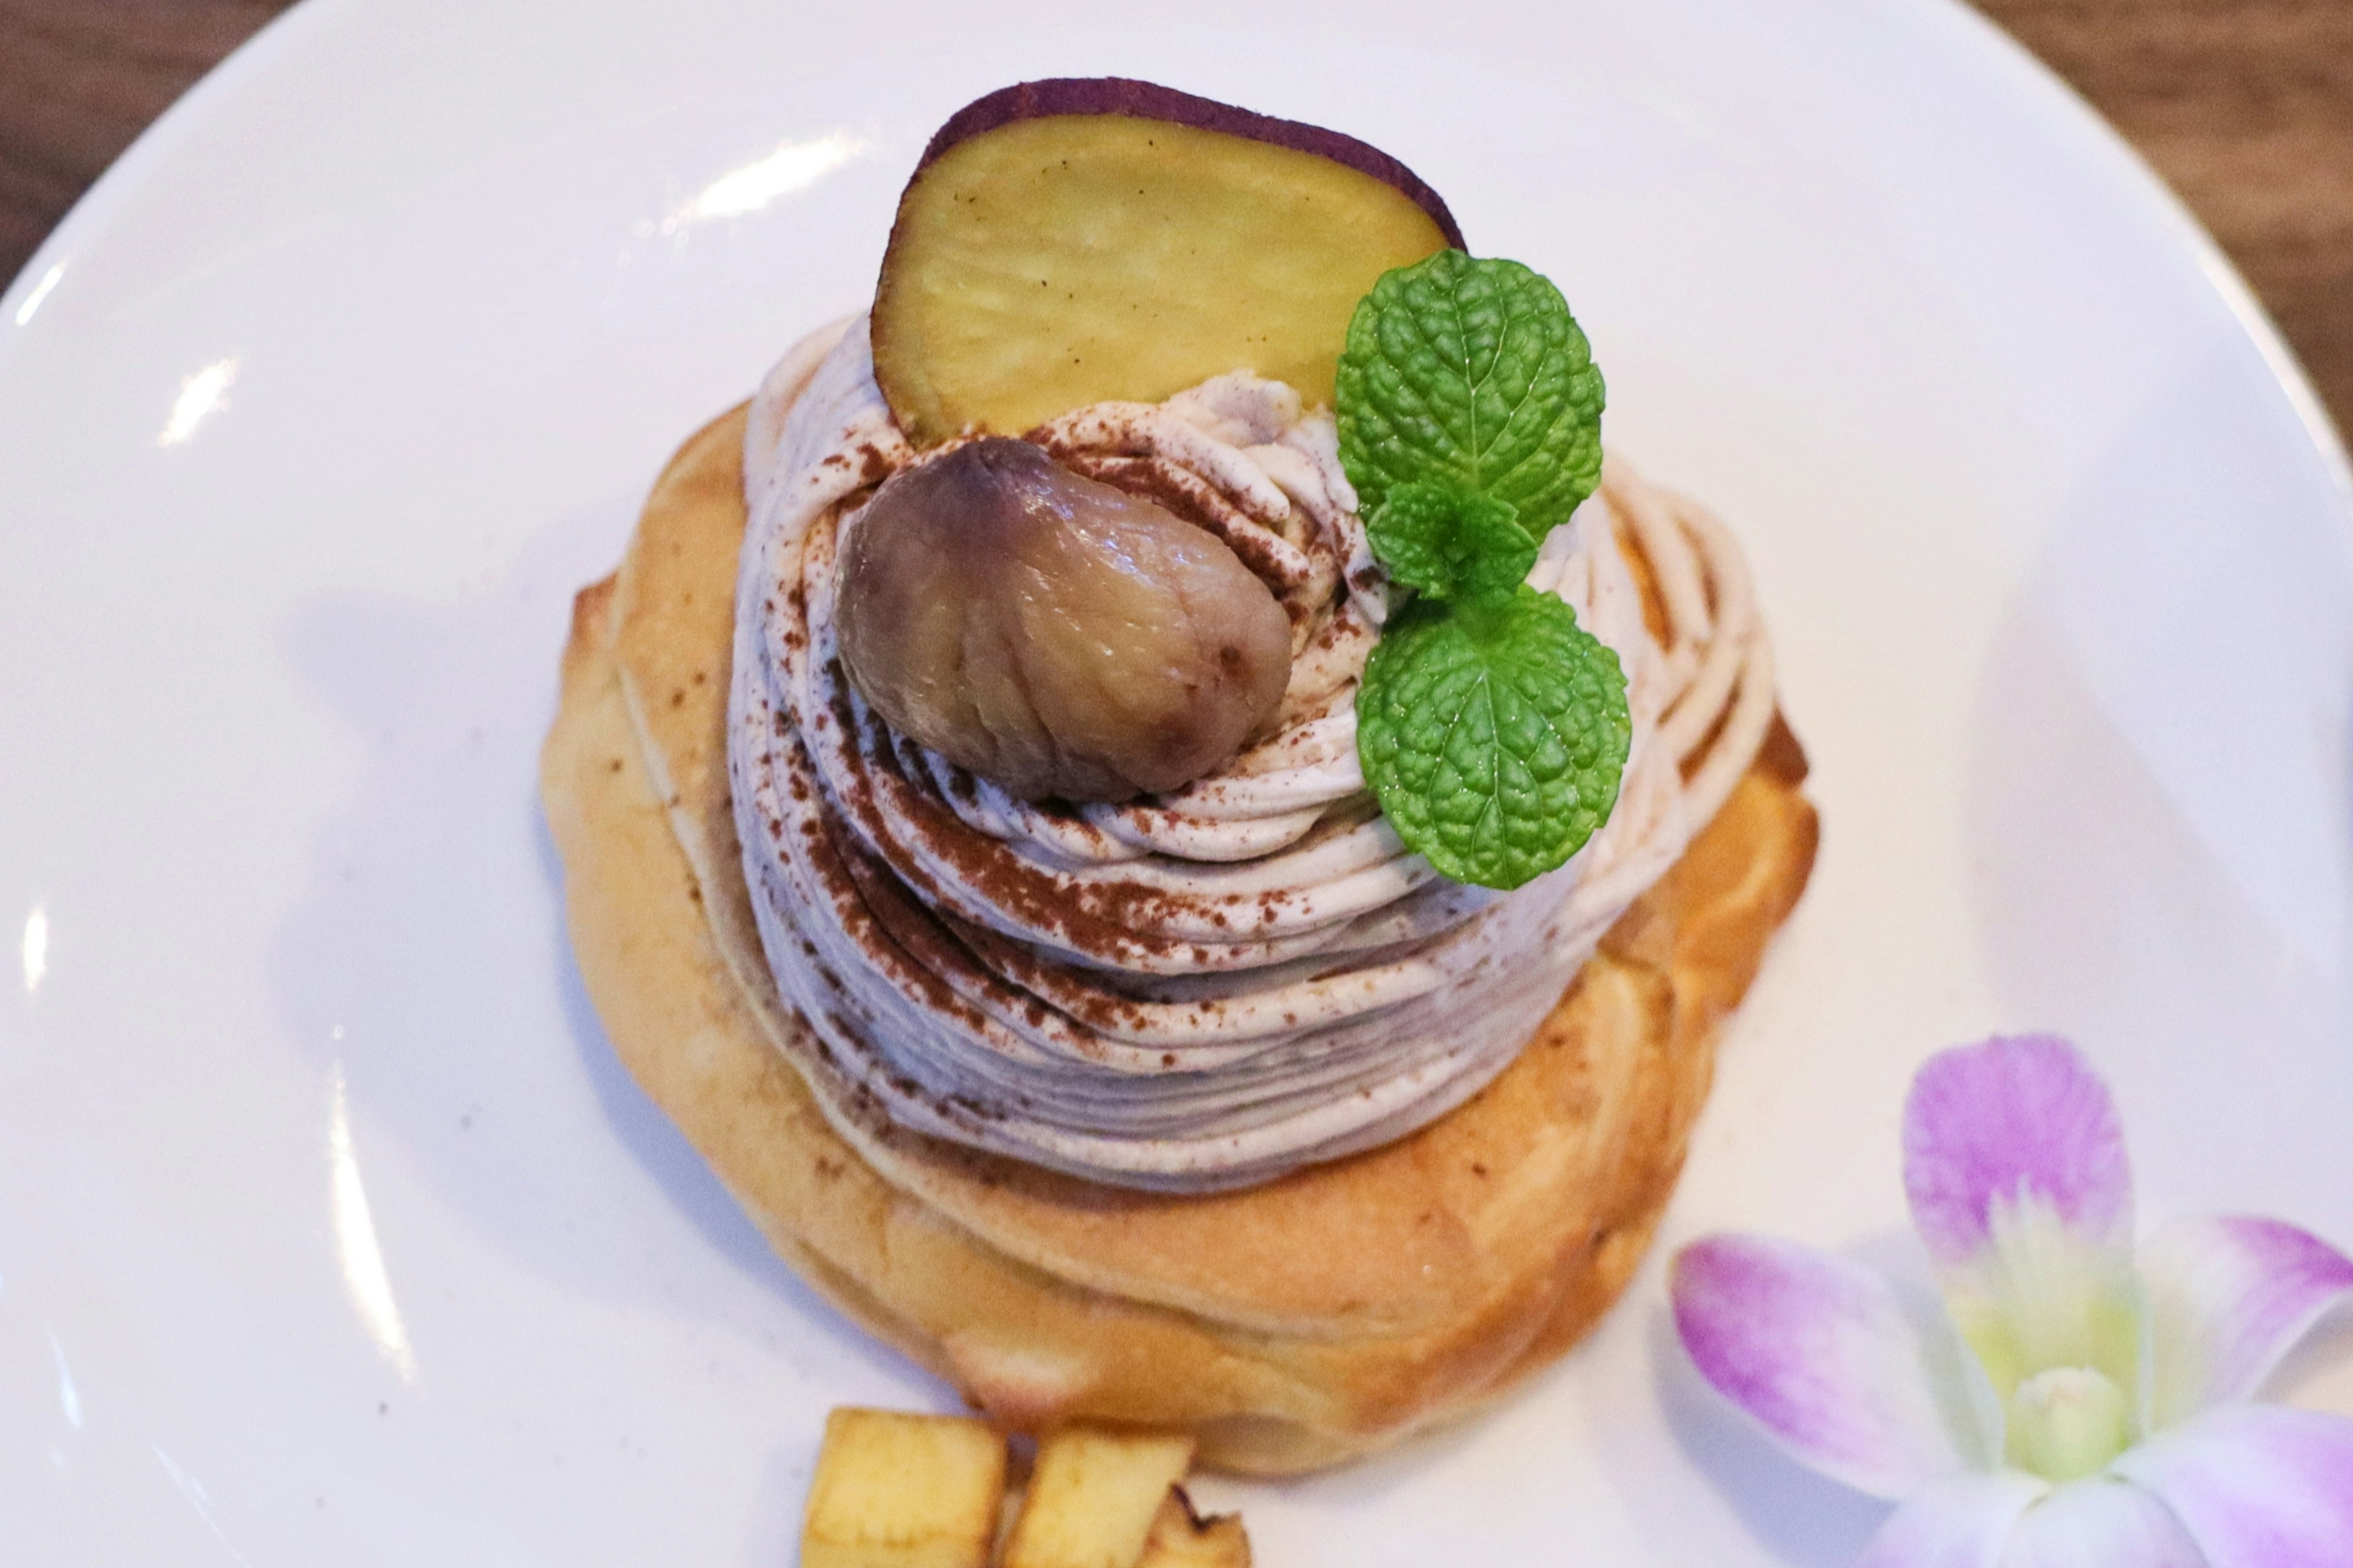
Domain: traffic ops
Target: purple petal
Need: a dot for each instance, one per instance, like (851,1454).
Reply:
(2100,1523)
(1962,1523)
(2257,1486)
(1822,1353)
(2228,1298)
(1986,1124)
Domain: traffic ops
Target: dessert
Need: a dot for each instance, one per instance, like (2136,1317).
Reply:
(1213,913)
(969,608)
(1010,293)
(896,1491)
(1094,1496)
(1181,1538)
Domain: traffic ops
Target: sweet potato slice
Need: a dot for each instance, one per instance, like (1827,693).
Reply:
(1183,1539)
(1068,242)
(894,1490)
(1094,1496)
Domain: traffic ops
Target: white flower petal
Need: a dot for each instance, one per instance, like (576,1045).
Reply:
(2228,1298)
(2257,1486)
(2015,1163)
(1963,1521)
(1822,1353)
(2100,1523)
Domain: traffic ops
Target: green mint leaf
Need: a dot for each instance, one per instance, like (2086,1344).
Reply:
(1494,735)
(1471,373)
(1451,542)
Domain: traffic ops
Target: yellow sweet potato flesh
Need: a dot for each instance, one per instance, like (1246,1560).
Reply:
(895,1490)
(1051,263)
(1182,1539)
(1094,1496)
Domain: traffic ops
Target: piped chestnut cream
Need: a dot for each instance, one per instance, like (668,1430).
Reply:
(1199,698)
(1210,986)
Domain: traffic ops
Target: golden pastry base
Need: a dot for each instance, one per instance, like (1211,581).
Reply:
(1293,1325)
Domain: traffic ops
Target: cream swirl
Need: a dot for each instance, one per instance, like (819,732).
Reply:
(1207,988)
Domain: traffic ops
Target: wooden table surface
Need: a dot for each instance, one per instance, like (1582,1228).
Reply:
(2246,106)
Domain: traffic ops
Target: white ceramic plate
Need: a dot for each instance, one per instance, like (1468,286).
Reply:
(330,1231)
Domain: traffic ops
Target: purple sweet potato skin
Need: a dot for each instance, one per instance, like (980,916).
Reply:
(1149,101)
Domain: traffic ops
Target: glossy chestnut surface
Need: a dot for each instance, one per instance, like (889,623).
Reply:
(1056,636)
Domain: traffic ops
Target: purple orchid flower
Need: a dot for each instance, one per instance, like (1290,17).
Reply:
(2091,1410)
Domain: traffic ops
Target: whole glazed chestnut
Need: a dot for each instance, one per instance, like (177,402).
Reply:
(1051,633)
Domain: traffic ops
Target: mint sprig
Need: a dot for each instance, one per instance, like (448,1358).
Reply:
(1450,543)
(1493,734)
(1492,728)
(1473,373)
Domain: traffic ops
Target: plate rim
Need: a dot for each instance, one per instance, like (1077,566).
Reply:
(143,161)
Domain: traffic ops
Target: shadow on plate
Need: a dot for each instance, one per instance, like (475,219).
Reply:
(2157,809)
(1799,1518)
(427,961)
